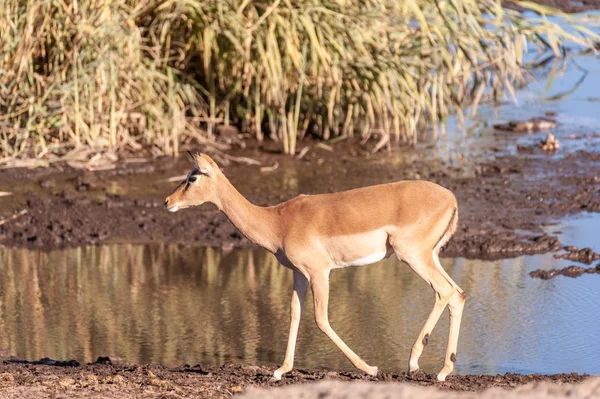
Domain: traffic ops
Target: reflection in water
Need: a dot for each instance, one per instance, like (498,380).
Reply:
(174,304)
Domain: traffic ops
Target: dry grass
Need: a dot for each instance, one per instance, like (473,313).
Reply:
(125,75)
(79,74)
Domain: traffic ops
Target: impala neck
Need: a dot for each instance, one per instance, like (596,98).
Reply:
(259,224)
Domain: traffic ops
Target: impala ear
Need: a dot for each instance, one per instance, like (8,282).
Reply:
(204,164)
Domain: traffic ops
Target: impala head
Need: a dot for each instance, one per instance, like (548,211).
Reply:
(199,186)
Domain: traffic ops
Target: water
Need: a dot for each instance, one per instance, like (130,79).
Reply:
(576,108)
(173,305)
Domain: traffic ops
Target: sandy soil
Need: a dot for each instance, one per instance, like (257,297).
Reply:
(335,389)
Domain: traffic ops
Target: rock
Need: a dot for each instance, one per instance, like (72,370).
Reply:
(87,181)
(48,183)
(550,144)
(529,126)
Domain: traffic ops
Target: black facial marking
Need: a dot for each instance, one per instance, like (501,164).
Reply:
(191,177)
(425,339)
(453,358)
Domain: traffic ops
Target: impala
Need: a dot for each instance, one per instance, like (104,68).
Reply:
(314,234)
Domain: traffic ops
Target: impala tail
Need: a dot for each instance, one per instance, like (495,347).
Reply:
(450,229)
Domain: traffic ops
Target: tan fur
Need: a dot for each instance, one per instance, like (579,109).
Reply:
(313,234)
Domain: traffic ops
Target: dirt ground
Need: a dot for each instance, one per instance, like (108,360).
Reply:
(129,381)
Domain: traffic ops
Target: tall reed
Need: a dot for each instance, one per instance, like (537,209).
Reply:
(130,74)
(78,73)
(353,67)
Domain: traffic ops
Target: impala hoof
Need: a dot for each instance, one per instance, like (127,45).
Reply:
(277,375)
(372,371)
(413,368)
(442,375)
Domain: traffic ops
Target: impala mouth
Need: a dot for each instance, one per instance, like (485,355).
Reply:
(173,208)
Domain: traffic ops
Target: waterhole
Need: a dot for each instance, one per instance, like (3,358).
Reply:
(173,304)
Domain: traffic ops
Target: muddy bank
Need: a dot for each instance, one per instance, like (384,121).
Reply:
(585,255)
(569,271)
(131,381)
(503,201)
(569,6)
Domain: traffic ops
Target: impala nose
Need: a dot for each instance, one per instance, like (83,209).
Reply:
(167,203)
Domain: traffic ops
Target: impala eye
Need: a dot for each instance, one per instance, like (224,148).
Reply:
(190,179)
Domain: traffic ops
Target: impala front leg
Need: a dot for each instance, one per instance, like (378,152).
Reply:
(320,290)
(298,295)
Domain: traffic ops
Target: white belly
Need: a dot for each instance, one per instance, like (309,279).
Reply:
(367,260)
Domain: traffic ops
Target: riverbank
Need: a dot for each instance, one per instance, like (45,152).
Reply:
(151,381)
(504,200)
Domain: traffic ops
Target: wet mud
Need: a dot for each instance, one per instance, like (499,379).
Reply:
(528,126)
(105,379)
(569,6)
(504,201)
(569,271)
(585,255)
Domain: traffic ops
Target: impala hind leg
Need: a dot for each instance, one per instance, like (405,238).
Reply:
(455,307)
(428,267)
(320,290)
(298,295)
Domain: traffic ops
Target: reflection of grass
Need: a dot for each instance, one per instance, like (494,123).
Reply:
(133,301)
(124,73)
(174,304)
